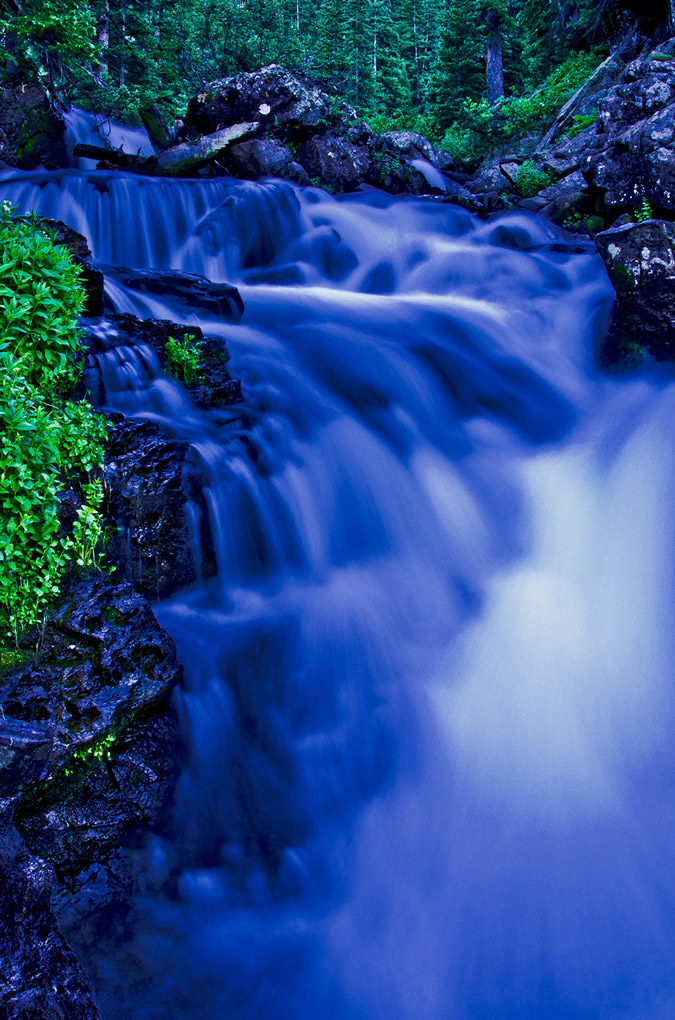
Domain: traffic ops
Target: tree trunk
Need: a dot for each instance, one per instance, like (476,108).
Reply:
(103,36)
(122,54)
(493,65)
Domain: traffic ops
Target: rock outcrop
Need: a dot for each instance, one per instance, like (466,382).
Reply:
(88,751)
(32,133)
(640,260)
(273,123)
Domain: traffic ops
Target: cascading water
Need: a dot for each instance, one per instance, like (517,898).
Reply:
(428,697)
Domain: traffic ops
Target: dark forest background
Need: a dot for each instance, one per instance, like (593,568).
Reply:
(466,73)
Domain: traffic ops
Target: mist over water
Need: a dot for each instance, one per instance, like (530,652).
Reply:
(429,697)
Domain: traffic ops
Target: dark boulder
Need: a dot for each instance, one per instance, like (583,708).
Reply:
(32,133)
(186,289)
(640,261)
(335,162)
(150,482)
(89,751)
(103,662)
(40,977)
(410,145)
(274,96)
(265,157)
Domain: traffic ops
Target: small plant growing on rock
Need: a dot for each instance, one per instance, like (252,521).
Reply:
(183,357)
(580,122)
(644,213)
(531,178)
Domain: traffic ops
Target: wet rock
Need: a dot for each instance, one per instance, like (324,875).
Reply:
(271,95)
(149,481)
(640,261)
(410,145)
(40,977)
(187,289)
(335,162)
(213,388)
(25,751)
(32,133)
(265,157)
(104,662)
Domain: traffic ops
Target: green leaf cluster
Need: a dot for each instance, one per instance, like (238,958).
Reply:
(183,357)
(532,178)
(49,440)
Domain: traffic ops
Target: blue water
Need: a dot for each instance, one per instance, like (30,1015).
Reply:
(429,696)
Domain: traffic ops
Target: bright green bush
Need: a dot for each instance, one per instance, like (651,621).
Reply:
(47,440)
(183,357)
(531,178)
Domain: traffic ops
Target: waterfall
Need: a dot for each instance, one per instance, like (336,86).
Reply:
(428,696)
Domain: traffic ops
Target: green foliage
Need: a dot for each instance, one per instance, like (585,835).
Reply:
(91,754)
(644,212)
(46,438)
(532,178)
(480,129)
(183,357)
(580,122)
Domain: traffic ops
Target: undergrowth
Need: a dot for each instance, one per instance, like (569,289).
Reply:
(49,440)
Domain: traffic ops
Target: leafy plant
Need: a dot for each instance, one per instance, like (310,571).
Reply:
(183,357)
(580,122)
(47,439)
(644,212)
(532,178)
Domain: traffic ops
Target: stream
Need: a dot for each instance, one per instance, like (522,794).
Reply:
(428,697)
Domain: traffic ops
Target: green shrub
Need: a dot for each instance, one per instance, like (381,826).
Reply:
(532,178)
(47,440)
(481,129)
(183,357)
(644,212)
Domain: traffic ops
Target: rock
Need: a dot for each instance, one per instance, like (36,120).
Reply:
(265,157)
(640,260)
(272,95)
(413,146)
(25,751)
(150,482)
(190,156)
(104,661)
(637,133)
(214,388)
(335,162)
(561,201)
(89,749)
(40,976)
(186,289)
(32,133)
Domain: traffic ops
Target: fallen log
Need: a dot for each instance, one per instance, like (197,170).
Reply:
(191,156)
(115,156)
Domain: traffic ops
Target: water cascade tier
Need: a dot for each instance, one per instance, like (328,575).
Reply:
(429,696)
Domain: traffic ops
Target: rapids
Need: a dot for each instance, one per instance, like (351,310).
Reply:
(429,697)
